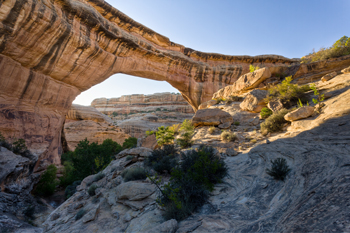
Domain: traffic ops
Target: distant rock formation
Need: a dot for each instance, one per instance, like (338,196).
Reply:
(86,122)
(51,51)
(139,103)
(137,113)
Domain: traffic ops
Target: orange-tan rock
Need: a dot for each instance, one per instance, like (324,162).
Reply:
(86,122)
(139,103)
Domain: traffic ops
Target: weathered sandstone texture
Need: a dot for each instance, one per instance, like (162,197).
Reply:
(86,122)
(254,101)
(50,51)
(300,113)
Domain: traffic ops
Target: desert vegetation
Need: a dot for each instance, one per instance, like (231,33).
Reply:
(279,169)
(340,48)
(274,122)
(228,136)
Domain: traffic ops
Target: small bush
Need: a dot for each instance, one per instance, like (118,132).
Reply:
(253,68)
(47,183)
(92,190)
(279,170)
(149,132)
(288,93)
(99,176)
(163,159)
(265,112)
(19,146)
(29,212)
(186,132)
(71,189)
(175,128)
(80,214)
(130,143)
(164,136)
(211,130)
(228,136)
(219,100)
(129,157)
(87,159)
(274,122)
(191,182)
(134,173)
(236,123)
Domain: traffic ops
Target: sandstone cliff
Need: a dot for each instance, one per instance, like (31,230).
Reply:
(86,122)
(139,103)
(136,114)
(50,51)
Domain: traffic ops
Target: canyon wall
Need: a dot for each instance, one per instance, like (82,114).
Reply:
(51,51)
(139,103)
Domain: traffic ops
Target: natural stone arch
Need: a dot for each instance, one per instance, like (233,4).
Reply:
(52,50)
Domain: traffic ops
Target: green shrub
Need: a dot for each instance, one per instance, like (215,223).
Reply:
(130,143)
(134,173)
(191,182)
(164,135)
(129,157)
(47,183)
(162,159)
(29,212)
(265,112)
(19,146)
(175,128)
(253,68)
(115,114)
(99,176)
(236,123)
(71,189)
(92,190)
(211,130)
(279,170)
(287,92)
(340,48)
(320,98)
(274,122)
(80,214)
(87,159)
(219,100)
(149,132)
(228,136)
(186,132)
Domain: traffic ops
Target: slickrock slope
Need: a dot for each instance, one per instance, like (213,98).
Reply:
(136,114)
(86,122)
(313,198)
(50,51)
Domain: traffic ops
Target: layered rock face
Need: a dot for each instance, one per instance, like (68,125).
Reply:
(86,122)
(139,103)
(136,114)
(50,51)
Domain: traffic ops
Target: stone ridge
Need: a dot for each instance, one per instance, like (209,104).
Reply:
(53,50)
(139,103)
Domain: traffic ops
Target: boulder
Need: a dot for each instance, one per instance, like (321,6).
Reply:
(275,105)
(300,113)
(149,142)
(254,101)
(346,70)
(246,82)
(169,226)
(91,215)
(207,104)
(328,76)
(134,191)
(138,151)
(211,117)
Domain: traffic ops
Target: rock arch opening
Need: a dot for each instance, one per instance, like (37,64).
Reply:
(51,51)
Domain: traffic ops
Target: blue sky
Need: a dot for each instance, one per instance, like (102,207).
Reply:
(247,27)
